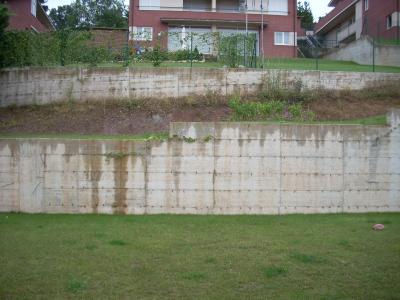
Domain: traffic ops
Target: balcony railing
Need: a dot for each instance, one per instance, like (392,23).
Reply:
(220,9)
(347,31)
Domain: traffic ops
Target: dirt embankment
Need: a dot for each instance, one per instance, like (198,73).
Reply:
(154,115)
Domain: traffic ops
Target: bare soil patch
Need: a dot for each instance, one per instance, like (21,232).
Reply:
(154,115)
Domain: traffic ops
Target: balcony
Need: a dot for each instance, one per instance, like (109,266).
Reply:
(347,31)
(275,7)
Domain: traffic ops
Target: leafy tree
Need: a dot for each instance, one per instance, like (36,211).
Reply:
(304,11)
(89,13)
(45,7)
(4,17)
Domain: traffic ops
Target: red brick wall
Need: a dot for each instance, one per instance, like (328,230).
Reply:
(110,38)
(375,18)
(288,23)
(22,18)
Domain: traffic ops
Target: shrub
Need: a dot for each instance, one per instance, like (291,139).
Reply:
(270,110)
(185,55)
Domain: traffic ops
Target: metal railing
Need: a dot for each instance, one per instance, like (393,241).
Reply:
(233,9)
(347,31)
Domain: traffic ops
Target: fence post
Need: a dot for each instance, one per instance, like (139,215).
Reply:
(245,51)
(316,61)
(191,49)
(373,55)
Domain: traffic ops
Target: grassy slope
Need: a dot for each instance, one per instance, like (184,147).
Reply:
(217,257)
(280,63)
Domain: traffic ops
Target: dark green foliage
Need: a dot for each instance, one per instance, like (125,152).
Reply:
(156,56)
(236,49)
(86,13)
(269,111)
(304,11)
(185,55)
(25,48)
(4,17)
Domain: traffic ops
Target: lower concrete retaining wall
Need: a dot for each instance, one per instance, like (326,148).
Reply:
(361,51)
(42,85)
(209,168)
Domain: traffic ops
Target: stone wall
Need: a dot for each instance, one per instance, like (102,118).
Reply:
(361,52)
(46,85)
(209,168)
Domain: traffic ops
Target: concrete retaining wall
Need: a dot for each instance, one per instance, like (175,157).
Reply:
(230,168)
(41,85)
(361,52)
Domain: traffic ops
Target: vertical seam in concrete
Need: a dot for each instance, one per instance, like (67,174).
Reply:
(146,175)
(343,168)
(178,84)
(214,167)
(280,169)
(226,82)
(19,178)
(129,82)
(78,202)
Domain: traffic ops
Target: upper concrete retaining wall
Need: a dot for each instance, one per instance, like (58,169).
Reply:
(361,52)
(230,168)
(41,85)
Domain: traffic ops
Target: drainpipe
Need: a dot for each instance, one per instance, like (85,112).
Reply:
(398,22)
(213,5)
(131,9)
(294,28)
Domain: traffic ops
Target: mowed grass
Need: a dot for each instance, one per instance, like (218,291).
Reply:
(199,257)
(271,63)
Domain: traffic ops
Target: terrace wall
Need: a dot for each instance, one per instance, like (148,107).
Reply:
(361,51)
(226,168)
(46,85)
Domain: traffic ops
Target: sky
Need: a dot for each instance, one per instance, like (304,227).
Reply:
(318,7)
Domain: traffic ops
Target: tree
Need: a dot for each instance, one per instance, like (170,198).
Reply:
(304,11)
(4,18)
(89,13)
(45,7)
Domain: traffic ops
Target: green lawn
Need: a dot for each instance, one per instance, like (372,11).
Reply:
(277,63)
(77,136)
(199,257)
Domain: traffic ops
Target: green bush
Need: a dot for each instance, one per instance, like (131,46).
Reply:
(236,49)
(156,56)
(270,110)
(185,55)
(26,48)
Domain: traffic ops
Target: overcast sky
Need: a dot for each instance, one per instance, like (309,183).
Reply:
(319,7)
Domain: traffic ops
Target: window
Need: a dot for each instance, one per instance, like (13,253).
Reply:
(142,33)
(389,23)
(149,4)
(285,38)
(33,7)
(277,7)
(366,5)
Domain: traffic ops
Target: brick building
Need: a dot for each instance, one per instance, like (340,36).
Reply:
(274,22)
(350,19)
(28,15)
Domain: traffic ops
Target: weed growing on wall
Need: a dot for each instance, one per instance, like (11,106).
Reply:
(274,110)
